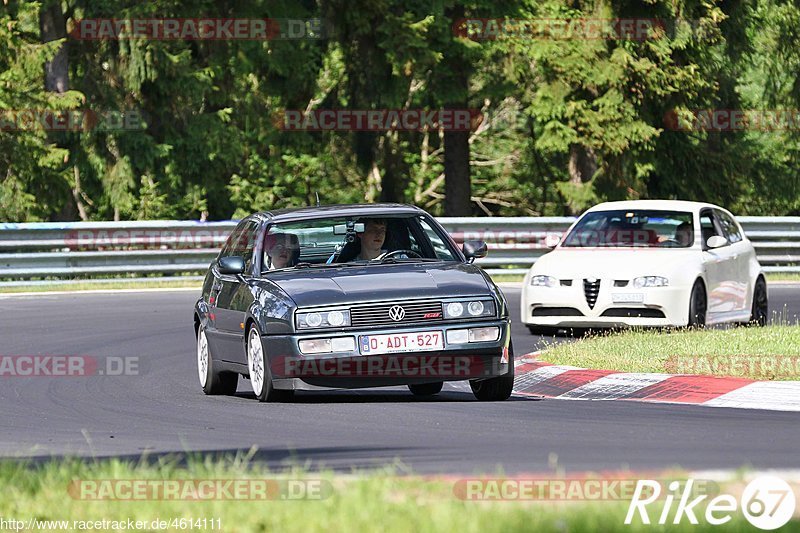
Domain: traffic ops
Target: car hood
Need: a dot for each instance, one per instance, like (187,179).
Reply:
(617,263)
(355,284)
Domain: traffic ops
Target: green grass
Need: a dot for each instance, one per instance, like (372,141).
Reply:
(355,502)
(155,283)
(767,353)
(93,285)
(507,278)
(789,276)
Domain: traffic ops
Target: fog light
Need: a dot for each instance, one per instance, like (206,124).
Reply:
(343,344)
(484,334)
(315,346)
(457,336)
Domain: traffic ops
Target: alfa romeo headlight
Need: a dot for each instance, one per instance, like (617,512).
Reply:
(543,281)
(323,319)
(650,281)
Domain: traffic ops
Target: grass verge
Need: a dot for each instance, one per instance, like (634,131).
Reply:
(90,285)
(56,490)
(155,283)
(767,353)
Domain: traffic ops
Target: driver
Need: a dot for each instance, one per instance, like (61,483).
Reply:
(684,234)
(281,250)
(372,239)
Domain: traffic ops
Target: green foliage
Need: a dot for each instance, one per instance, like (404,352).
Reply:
(565,122)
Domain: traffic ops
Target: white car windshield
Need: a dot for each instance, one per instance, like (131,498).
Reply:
(633,228)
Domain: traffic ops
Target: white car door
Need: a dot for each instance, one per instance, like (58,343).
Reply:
(741,250)
(720,267)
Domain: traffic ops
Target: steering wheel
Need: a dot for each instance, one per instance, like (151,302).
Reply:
(670,243)
(398,252)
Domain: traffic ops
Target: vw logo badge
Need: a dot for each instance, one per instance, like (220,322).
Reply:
(397,313)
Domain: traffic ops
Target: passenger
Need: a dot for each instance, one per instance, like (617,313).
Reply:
(684,234)
(281,250)
(372,239)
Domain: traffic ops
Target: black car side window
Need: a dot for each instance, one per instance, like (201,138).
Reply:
(228,247)
(708,227)
(729,226)
(245,243)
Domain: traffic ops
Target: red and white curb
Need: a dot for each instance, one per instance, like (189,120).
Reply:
(541,379)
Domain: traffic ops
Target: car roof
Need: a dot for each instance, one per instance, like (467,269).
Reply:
(340,210)
(661,205)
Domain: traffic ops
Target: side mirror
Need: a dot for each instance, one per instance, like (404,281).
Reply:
(231,266)
(716,241)
(474,250)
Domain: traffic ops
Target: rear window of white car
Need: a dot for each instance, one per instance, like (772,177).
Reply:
(633,228)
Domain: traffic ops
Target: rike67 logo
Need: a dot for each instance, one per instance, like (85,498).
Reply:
(767,503)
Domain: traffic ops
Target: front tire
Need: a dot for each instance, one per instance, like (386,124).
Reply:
(760,308)
(212,381)
(698,305)
(258,367)
(499,388)
(426,389)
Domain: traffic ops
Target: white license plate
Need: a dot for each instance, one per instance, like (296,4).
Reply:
(627,297)
(424,341)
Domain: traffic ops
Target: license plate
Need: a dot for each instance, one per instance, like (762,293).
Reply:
(425,341)
(632,297)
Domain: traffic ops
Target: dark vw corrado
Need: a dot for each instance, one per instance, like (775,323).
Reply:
(350,296)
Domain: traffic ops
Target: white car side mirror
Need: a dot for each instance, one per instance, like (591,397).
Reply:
(716,241)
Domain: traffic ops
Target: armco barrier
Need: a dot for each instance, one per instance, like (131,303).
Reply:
(64,250)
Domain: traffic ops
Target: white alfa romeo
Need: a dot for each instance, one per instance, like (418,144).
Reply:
(647,263)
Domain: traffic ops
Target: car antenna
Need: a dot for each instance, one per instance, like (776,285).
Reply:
(317,195)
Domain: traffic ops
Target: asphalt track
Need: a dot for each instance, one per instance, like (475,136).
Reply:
(162,410)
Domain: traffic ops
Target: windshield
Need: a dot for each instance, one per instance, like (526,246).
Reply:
(633,228)
(338,241)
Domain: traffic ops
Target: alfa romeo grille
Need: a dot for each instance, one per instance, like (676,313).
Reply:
(381,314)
(591,288)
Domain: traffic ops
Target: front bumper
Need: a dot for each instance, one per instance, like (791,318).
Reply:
(568,306)
(291,369)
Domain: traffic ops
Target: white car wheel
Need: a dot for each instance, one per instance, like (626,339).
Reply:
(212,380)
(202,357)
(255,361)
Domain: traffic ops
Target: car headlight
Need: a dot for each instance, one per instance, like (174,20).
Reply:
(469,309)
(543,281)
(650,281)
(323,319)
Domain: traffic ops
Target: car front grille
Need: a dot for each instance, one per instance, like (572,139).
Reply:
(633,312)
(591,288)
(378,315)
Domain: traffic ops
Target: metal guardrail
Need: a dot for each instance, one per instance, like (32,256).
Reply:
(64,250)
